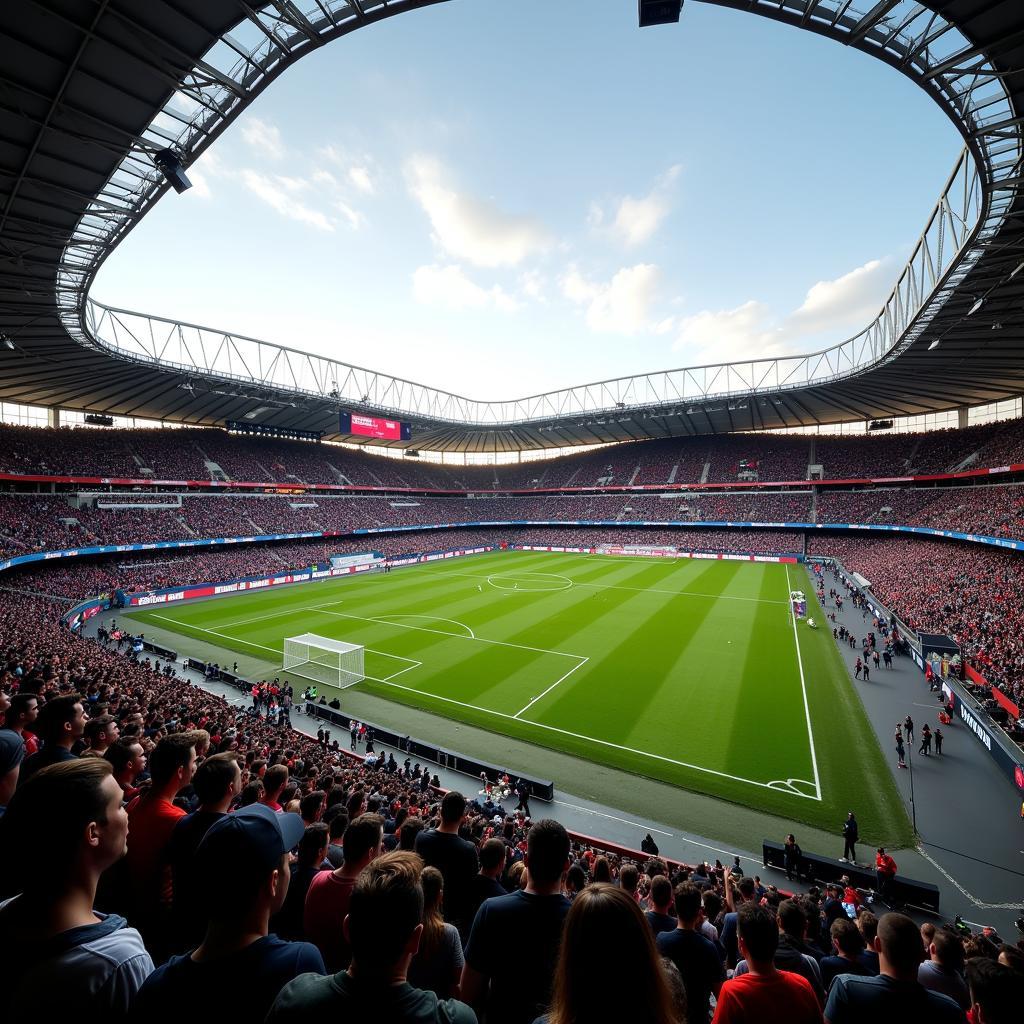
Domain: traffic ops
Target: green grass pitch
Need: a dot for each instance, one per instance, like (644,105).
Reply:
(691,672)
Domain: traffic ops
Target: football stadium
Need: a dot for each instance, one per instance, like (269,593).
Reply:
(381,625)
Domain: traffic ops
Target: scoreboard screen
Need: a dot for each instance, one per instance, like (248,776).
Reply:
(374,426)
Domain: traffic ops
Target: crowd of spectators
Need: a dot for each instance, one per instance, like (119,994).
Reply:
(207,856)
(208,453)
(995,510)
(972,593)
(47,522)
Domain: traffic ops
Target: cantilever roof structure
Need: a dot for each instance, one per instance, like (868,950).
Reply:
(91,89)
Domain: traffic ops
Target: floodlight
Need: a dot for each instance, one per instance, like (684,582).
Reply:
(170,167)
(658,12)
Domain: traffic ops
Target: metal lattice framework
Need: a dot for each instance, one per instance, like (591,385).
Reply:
(246,361)
(213,58)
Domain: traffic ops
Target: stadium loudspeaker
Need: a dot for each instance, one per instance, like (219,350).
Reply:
(170,167)
(902,891)
(658,12)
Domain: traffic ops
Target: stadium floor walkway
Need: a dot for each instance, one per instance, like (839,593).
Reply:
(968,812)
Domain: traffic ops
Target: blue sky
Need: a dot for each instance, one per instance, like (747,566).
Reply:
(505,199)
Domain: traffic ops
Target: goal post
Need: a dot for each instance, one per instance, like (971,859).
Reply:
(327,661)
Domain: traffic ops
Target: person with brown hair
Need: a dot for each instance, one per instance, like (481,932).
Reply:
(152,817)
(895,994)
(514,942)
(660,917)
(330,892)
(764,993)
(455,857)
(943,970)
(274,782)
(694,955)
(60,725)
(608,966)
(437,965)
(62,960)
(384,928)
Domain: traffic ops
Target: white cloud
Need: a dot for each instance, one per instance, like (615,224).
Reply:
(450,288)
(725,335)
(533,285)
(358,170)
(852,300)
(202,171)
(353,216)
(282,194)
(263,137)
(200,184)
(634,219)
(619,306)
(470,228)
(360,178)
(754,330)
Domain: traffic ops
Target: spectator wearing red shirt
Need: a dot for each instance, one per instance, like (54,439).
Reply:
(885,870)
(765,994)
(329,894)
(152,817)
(128,759)
(21,716)
(274,783)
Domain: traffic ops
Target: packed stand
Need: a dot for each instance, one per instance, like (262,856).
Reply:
(211,856)
(972,593)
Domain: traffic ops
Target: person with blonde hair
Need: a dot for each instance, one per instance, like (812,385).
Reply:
(608,966)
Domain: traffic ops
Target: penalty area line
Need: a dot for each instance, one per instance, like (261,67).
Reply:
(594,739)
(561,679)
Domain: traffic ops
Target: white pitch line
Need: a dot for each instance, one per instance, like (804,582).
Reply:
(401,671)
(614,586)
(441,632)
(611,817)
(594,739)
(413,663)
(551,687)
(803,687)
(435,618)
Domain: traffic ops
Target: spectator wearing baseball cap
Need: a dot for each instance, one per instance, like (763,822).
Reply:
(242,865)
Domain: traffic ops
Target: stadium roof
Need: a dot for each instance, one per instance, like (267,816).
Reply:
(92,89)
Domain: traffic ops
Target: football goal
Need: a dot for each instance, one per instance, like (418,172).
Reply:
(323,660)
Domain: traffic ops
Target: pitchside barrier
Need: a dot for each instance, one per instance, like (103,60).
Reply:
(170,545)
(902,890)
(168,595)
(418,749)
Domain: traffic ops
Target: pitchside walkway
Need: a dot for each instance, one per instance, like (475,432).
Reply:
(660,809)
(968,814)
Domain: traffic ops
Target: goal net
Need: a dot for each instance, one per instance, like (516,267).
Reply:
(323,660)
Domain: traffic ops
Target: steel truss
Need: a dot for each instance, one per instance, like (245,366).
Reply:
(959,234)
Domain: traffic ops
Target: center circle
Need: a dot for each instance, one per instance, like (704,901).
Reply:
(530,582)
